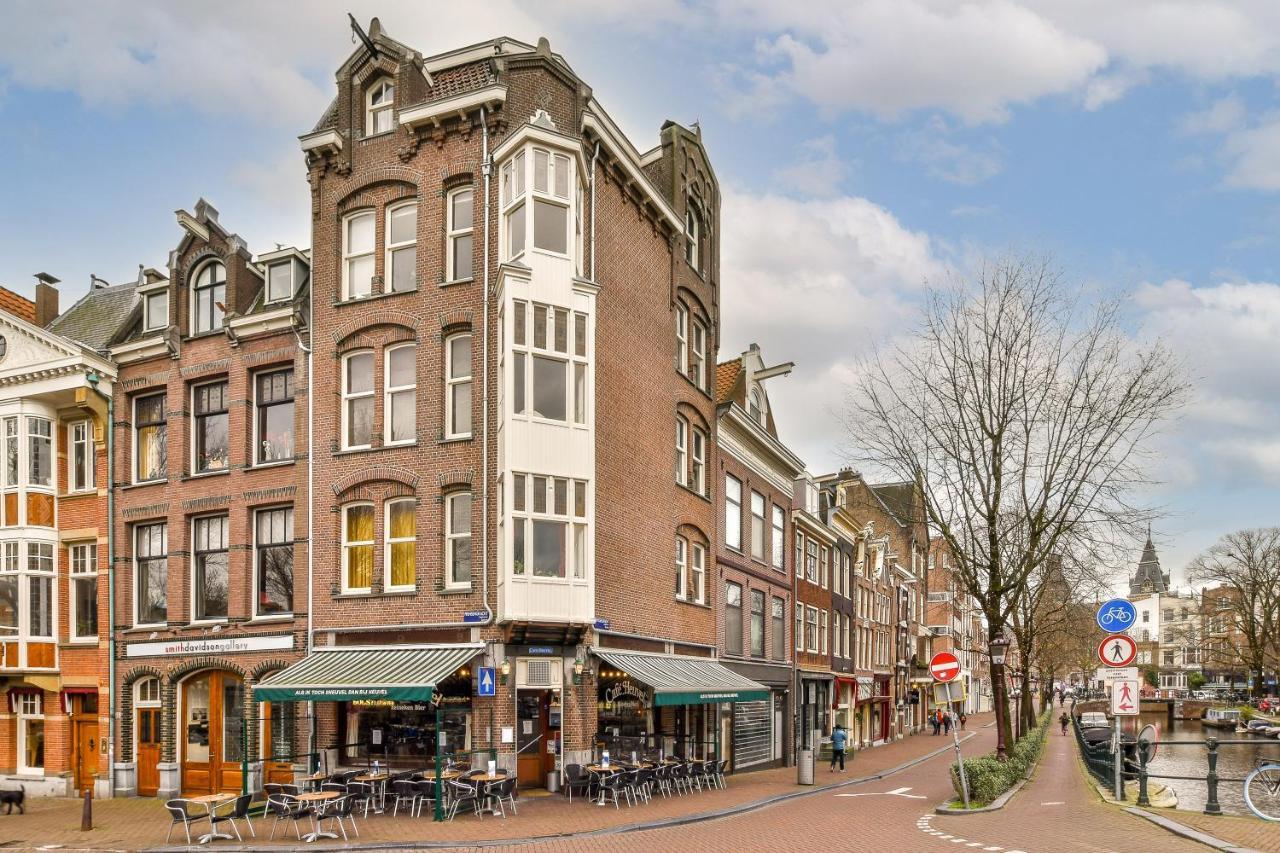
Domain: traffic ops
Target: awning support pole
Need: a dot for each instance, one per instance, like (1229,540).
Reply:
(438,815)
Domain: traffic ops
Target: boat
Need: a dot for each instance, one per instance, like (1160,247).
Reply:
(1256,727)
(1221,718)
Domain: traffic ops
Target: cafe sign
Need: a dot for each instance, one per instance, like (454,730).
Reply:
(623,689)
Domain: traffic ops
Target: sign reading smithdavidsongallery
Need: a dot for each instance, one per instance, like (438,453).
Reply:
(209,646)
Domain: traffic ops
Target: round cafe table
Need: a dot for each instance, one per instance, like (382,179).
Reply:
(320,799)
(601,770)
(487,779)
(315,779)
(379,782)
(211,802)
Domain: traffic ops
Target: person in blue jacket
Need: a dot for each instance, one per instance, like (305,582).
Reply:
(839,738)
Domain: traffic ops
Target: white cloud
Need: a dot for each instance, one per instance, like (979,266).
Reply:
(818,170)
(1223,115)
(934,147)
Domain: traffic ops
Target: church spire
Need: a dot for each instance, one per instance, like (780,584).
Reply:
(1149,577)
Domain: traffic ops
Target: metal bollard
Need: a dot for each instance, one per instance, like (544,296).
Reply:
(86,814)
(1143,799)
(1211,805)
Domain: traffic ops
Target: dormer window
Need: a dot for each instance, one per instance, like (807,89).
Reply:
(280,281)
(754,407)
(155,312)
(209,298)
(378,107)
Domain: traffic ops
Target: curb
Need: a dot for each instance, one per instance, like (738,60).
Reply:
(1189,833)
(995,805)
(665,823)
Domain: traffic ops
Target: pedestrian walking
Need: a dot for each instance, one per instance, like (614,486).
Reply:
(963,720)
(1064,719)
(933,722)
(946,723)
(839,738)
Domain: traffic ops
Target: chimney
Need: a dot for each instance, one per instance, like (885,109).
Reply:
(96,283)
(46,299)
(151,275)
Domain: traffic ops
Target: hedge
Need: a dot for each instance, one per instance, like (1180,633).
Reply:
(989,777)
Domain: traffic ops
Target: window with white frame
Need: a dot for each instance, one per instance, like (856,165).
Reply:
(211,424)
(757,623)
(30,714)
(279,281)
(682,567)
(273,561)
(155,311)
(39,453)
(357,547)
(799,557)
(733,512)
(798,630)
(811,570)
(81,460)
(697,372)
(150,438)
(698,473)
(457,372)
(210,586)
(460,209)
(552,177)
(693,237)
(779,619)
(400,395)
(682,450)
(777,546)
(682,339)
(754,407)
(822,631)
(824,566)
(401,261)
(274,420)
(549,363)
(697,573)
(84,590)
(401,553)
(209,298)
(151,573)
(379,107)
(513,205)
(757,525)
(146,693)
(811,629)
(549,533)
(357,254)
(458,539)
(732,618)
(357,400)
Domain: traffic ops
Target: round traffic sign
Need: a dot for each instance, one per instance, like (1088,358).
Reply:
(944,666)
(1116,615)
(1150,735)
(1117,650)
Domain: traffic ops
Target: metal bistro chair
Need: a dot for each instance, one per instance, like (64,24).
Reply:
(630,784)
(239,811)
(286,808)
(722,767)
(340,812)
(645,780)
(362,796)
(461,793)
(610,784)
(180,812)
(576,779)
(403,791)
(503,793)
(334,786)
(425,792)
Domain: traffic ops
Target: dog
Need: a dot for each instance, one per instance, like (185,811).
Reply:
(9,799)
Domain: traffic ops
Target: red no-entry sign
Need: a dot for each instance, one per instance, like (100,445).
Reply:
(1117,650)
(944,667)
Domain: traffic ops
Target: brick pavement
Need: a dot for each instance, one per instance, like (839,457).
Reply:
(1243,831)
(133,823)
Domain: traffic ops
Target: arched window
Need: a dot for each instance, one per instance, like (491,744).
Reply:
(754,407)
(146,693)
(209,298)
(379,103)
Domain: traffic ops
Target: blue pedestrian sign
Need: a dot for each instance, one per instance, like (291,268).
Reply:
(486,683)
(1117,615)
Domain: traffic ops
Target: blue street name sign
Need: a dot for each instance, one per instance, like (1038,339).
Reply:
(602,624)
(475,615)
(1117,615)
(486,682)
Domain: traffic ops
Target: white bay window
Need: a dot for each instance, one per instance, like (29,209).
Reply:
(549,518)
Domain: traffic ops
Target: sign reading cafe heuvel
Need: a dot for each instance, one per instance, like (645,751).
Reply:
(209,646)
(623,689)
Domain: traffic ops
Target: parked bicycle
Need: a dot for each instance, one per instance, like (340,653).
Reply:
(1262,789)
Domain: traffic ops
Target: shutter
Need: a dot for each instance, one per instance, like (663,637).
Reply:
(752,733)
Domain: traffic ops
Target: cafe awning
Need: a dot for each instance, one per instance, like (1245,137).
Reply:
(682,680)
(344,673)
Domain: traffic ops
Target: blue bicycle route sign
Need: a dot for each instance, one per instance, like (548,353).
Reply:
(1116,615)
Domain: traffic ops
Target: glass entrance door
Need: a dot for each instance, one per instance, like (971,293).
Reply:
(212,733)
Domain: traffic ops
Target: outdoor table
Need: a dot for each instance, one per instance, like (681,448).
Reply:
(211,802)
(601,770)
(315,779)
(320,798)
(485,780)
(379,782)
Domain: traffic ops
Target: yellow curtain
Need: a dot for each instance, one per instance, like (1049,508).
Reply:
(403,526)
(359,555)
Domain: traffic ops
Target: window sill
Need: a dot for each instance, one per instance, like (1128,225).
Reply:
(275,617)
(147,629)
(352,451)
(143,484)
(356,595)
(368,136)
(275,463)
(206,623)
(456,590)
(454,439)
(82,642)
(372,297)
(703,391)
(452,282)
(200,475)
(79,493)
(208,333)
(690,603)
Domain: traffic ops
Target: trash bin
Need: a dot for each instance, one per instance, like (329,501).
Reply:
(553,782)
(804,767)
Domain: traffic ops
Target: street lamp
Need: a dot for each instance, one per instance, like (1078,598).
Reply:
(999,647)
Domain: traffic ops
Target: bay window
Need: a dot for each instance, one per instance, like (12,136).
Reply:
(549,535)
(210,585)
(150,438)
(733,512)
(84,590)
(39,452)
(357,547)
(81,459)
(151,574)
(401,262)
(547,195)
(357,255)
(400,395)
(458,238)
(458,539)
(40,578)
(273,561)
(402,533)
(457,371)
(357,400)
(211,427)
(733,618)
(274,420)
(543,362)
(513,204)
(209,298)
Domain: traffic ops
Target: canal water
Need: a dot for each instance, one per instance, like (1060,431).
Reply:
(1234,762)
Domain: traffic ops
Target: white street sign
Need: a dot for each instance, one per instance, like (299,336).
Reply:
(1125,695)
(1124,673)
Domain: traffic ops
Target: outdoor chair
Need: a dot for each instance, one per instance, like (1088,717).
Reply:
(286,808)
(645,781)
(404,791)
(576,779)
(610,784)
(425,792)
(239,811)
(662,779)
(719,775)
(631,786)
(334,786)
(504,792)
(460,794)
(340,812)
(180,812)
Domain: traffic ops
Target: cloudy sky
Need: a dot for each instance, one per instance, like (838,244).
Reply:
(865,147)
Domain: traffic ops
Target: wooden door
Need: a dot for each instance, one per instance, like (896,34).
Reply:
(211,733)
(148,727)
(86,753)
(531,728)
(277,743)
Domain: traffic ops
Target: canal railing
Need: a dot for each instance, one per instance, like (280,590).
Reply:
(1100,759)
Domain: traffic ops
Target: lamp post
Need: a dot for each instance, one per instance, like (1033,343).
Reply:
(999,648)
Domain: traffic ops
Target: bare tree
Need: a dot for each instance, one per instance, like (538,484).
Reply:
(1024,416)
(1245,568)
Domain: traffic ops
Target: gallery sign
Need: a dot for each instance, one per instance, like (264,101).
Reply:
(209,646)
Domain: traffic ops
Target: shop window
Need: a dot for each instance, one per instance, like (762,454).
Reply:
(151,573)
(357,398)
(212,445)
(212,562)
(274,422)
(81,459)
(458,539)
(273,561)
(733,618)
(400,395)
(209,298)
(401,261)
(84,590)
(457,371)
(401,535)
(150,438)
(357,548)
(460,211)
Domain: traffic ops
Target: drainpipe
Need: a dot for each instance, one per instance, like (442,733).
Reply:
(486,169)
(93,379)
(594,156)
(311,479)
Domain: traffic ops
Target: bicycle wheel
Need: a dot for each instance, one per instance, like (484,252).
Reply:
(1262,791)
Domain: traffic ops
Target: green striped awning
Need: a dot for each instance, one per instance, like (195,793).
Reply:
(682,680)
(343,673)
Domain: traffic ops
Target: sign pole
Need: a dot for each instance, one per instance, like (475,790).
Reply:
(955,734)
(1119,757)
